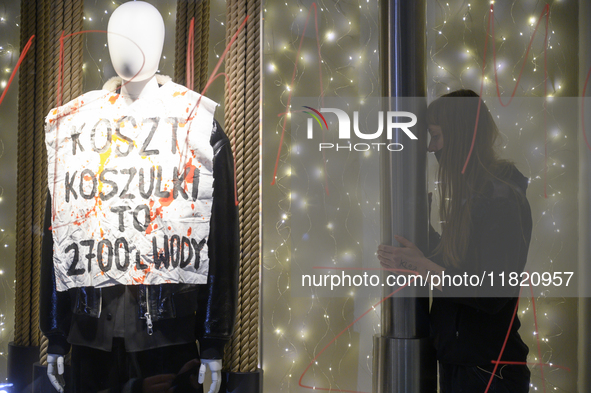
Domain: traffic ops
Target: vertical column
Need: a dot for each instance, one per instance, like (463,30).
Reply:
(403,358)
(584,357)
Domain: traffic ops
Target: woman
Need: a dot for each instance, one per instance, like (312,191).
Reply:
(486,230)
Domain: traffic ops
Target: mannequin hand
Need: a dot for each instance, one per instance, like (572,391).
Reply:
(215,366)
(55,371)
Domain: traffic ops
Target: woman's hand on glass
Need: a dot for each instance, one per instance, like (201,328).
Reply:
(407,260)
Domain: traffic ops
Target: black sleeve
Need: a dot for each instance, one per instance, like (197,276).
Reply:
(55,314)
(502,237)
(218,299)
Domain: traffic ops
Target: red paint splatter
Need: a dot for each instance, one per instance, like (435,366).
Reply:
(189,232)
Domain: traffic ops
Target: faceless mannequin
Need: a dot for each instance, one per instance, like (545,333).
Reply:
(135,40)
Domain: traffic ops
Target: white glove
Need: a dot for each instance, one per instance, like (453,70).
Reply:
(215,366)
(55,371)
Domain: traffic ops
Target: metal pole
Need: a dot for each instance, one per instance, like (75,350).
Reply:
(584,322)
(403,356)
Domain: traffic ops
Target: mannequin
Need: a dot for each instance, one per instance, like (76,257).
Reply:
(135,41)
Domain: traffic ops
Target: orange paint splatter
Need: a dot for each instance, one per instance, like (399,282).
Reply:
(189,232)
(190,173)
(192,206)
(149,229)
(113,98)
(169,228)
(166,201)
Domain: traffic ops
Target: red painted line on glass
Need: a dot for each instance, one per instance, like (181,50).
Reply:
(533,364)
(495,362)
(351,324)
(190,54)
(545,12)
(18,64)
(287,107)
(533,302)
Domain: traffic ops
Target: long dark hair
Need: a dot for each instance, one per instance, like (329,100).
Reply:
(456,114)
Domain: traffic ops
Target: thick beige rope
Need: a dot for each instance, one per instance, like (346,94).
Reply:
(187,9)
(242,124)
(26,125)
(180,47)
(204,66)
(231,356)
(37,92)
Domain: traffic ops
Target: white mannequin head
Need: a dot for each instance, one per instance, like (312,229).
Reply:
(133,26)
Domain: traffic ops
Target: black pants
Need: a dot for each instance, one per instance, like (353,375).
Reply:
(508,378)
(95,370)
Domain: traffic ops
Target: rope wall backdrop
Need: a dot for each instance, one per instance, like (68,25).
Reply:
(242,121)
(185,10)
(46,19)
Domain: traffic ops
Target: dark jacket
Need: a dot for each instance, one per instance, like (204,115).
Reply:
(180,313)
(469,324)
